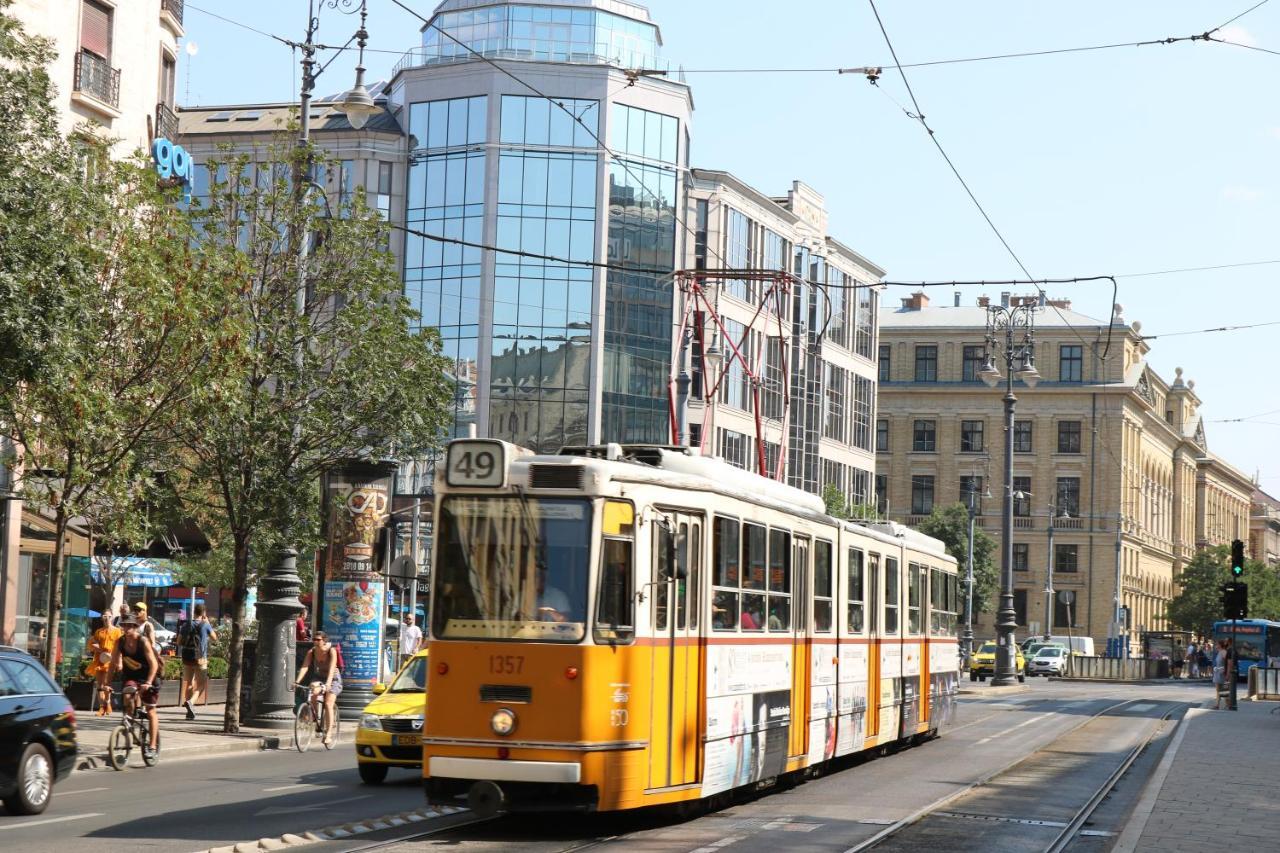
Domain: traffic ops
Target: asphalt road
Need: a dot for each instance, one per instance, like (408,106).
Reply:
(185,806)
(193,805)
(844,809)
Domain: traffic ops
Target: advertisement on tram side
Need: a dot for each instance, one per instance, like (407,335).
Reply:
(851,699)
(822,704)
(748,715)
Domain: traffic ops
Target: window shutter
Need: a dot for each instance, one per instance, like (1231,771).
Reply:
(95,29)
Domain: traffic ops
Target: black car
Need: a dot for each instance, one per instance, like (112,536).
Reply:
(37,733)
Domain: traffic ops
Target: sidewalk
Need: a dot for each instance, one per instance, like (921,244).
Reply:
(182,739)
(1214,789)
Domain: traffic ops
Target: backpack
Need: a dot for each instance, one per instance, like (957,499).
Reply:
(190,642)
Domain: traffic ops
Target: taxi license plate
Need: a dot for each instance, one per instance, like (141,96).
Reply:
(407,740)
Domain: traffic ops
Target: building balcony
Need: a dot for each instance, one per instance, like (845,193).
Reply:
(95,79)
(171,16)
(166,122)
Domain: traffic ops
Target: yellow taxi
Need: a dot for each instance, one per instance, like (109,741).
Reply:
(984,663)
(390,732)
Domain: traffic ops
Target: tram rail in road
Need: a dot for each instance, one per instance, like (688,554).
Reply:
(1041,802)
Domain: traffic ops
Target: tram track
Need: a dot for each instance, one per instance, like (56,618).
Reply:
(950,822)
(944,821)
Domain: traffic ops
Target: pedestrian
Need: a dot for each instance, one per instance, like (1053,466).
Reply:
(1205,657)
(193,640)
(146,630)
(300,632)
(1193,660)
(100,648)
(1220,659)
(410,636)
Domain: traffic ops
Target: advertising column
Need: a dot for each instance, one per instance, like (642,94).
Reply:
(350,575)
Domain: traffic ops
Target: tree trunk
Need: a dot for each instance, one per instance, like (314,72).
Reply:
(53,625)
(235,651)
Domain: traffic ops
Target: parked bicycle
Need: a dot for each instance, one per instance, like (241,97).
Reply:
(312,718)
(134,730)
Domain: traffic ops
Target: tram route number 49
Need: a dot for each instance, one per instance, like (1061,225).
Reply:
(476,463)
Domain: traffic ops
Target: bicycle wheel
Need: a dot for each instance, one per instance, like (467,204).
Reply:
(337,730)
(118,746)
(304,728)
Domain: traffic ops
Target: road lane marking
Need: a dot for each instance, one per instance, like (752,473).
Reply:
(81,791)
(4,827)
(297,787)
(306,807)
(1013,728)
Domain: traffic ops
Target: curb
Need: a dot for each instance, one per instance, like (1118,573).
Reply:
(1136,823)
(335,833)
(236,744)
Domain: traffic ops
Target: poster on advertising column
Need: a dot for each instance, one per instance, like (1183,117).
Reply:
(351,618)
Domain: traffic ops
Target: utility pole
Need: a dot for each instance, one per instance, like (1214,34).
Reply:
(966,638)
(1122,640)
(1048,582)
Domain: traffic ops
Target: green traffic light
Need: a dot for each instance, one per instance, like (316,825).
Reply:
(1237,571)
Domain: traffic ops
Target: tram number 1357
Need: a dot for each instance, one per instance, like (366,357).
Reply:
(476,463)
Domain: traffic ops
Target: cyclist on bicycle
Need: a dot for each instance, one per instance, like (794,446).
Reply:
(322,661)
(135,658)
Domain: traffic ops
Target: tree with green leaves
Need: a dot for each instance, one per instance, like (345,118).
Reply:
(324,364)
(104,335)
(840,506)
(1198,603)
(951,525)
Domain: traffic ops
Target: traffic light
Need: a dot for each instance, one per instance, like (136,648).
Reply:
(1237,558)
(1235,600)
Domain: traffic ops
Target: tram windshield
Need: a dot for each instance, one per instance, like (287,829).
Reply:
(512,568)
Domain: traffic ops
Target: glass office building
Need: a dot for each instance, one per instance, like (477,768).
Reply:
(549,348)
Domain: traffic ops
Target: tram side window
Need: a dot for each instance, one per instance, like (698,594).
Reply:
(695,573)
(937,602)
(615,598)
(614,615)
(890,595)
(754,559)
(915,594)
(662,572)
(724,602)
(857,592)
(822,586)
(779,580)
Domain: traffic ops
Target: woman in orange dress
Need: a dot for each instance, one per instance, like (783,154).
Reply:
(100,647)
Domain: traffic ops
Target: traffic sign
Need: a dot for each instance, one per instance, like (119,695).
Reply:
(1067,596)
(403,568)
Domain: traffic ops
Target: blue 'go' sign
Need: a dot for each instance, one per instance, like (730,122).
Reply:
(172,161)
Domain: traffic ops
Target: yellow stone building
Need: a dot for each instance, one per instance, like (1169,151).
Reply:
(1103,445)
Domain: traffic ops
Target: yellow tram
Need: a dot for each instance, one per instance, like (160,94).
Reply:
(624,626)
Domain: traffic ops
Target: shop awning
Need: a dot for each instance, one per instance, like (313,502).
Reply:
(135,571)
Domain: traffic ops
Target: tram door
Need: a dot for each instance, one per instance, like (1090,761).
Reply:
(800,665)
(676,671)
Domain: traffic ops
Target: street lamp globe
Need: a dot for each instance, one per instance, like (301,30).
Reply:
(1027,372)
(989,373)
(357,105)
(712,358)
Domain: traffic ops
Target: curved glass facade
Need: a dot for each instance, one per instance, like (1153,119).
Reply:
(446,197)
(539,34)
(547,196)
(638,306)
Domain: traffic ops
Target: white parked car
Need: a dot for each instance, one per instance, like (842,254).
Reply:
(1049,660)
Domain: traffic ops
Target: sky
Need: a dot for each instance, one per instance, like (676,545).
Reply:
(1123,161)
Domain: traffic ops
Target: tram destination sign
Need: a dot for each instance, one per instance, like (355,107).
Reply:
(477,463)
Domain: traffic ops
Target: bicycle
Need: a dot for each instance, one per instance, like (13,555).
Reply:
(312,718)
(134,729)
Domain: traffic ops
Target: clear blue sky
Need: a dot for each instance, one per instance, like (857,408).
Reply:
(1108,162)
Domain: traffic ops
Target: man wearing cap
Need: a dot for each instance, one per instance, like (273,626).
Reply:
(135,659)
(145,629)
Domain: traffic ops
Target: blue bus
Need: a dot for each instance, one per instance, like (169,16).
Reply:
(1257,641)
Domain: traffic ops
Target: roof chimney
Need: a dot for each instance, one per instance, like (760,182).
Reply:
(915,301)
(957,298)
(1004,299)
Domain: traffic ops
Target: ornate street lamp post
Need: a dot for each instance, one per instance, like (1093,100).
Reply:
(1010,332)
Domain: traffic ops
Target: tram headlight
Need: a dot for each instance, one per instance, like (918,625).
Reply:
(503,721)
